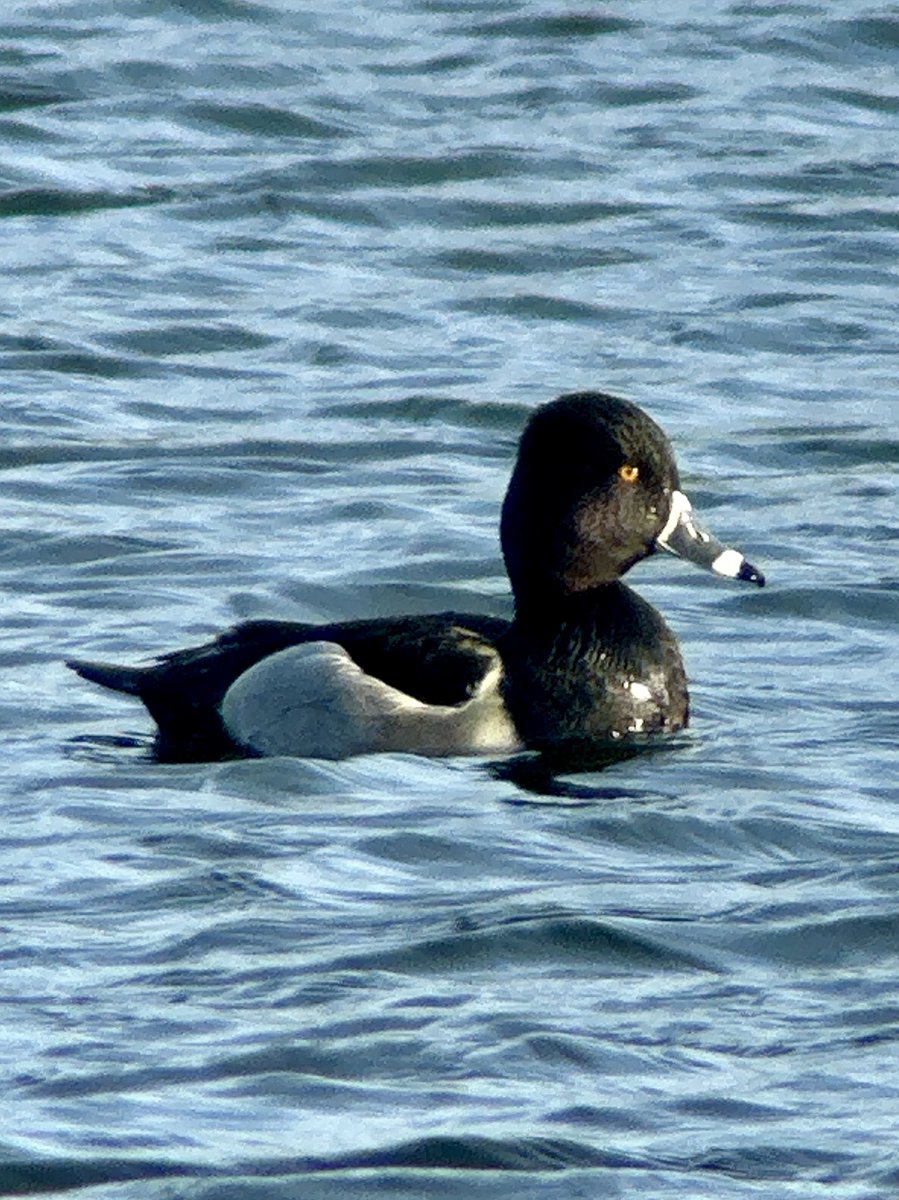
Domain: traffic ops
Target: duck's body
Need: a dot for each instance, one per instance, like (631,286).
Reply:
(438,661)
(585,661)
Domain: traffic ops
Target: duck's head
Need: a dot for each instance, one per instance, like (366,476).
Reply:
(595,489)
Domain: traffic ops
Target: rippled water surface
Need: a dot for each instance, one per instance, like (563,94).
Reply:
(280,284)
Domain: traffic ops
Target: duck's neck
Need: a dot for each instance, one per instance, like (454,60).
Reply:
(553,606)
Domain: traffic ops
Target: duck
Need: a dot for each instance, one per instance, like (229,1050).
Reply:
(583,663)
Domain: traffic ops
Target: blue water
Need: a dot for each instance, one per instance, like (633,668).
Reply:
(280,285)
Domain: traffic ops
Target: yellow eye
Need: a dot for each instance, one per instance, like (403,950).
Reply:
(629,473)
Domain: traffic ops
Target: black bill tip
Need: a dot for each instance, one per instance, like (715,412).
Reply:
(750,574)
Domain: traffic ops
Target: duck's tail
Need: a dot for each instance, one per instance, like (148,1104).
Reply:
(109,675)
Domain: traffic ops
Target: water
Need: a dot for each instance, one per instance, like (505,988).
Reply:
(280,285)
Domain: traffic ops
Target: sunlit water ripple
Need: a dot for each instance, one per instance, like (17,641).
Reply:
(279,290)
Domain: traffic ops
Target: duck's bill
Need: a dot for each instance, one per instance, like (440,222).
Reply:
(685,537)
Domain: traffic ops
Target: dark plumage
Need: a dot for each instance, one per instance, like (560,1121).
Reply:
(585,661)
